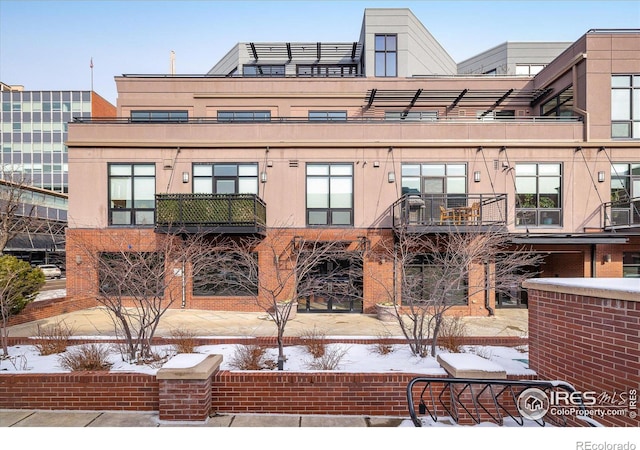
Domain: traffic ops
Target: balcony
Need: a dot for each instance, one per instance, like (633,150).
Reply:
(621,214)
(426,213)
(210,213)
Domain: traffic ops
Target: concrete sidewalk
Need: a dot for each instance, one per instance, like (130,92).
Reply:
(96,322)
(29,418)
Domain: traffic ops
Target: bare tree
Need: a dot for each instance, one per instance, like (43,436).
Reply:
(277,270)
(139,278)
(438,271)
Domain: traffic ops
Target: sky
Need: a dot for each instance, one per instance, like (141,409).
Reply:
(50,44)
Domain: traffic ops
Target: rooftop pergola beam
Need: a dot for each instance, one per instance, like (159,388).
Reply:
(372,96)
(497,102)
(353,51)
(319,50)
(253,50)
(289,51)
(458,98)
(412,102)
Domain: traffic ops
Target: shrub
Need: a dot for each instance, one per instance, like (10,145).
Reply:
(86,357)
(381,347)
(52,339)
(183,341)
(330,360)
(452,333)
(315,342)
(251,357)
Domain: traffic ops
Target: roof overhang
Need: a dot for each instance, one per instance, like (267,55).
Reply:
(569,239)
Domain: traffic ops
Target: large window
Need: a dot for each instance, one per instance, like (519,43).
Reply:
(625,186)
(225,275)
(625,106)
(225,178)
(538,195)
(386,50)
(411,116)
(434,178)
(631,264)
(159,116)
(329,194)
(244,116)
(423,275)
(132,189)
(133,274)
(559,106)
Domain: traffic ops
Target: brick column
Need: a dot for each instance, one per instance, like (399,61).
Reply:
(185,387)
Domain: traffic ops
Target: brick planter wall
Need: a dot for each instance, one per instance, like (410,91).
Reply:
(587,337)
(80,391)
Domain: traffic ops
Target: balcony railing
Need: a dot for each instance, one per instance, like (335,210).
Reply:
(621,214)
(440,212)
(210,213)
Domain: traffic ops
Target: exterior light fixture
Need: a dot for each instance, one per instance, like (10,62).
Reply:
(476,176)
(376,164)
(391,177)
(606,258)
(600,177)
(263,177)
(185,177)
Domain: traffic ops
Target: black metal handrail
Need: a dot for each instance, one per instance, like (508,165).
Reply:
(621,213)
(210,211)
(274,120)
(429,210)
(505,390)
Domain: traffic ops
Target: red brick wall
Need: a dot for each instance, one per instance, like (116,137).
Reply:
(100,107)
(592,343)
(43,309)
(80,391)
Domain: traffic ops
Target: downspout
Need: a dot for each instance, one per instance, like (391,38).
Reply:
(593,260)
(487,281)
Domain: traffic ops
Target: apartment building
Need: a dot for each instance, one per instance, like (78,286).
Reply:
(364,140)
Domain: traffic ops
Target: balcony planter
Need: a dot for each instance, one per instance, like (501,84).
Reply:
(386,312)
(282,308)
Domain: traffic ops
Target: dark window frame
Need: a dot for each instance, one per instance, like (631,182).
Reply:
(132,209)
(161,116)
(631,265)
(264,70)
(326,70)
(327,116)
(329,210)
(244,116)
(422,264)
(214,178)
(633,122)
(225,282)
(529,208)
(384,54)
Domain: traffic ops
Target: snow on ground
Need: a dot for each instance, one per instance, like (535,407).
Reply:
(356,358)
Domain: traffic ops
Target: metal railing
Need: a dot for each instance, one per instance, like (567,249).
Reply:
(621,214)
(433,210)
(485,400)
(210,212)
(349,120)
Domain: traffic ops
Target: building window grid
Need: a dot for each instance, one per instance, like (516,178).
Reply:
(43,118)
(329,194)
(625,193)
(625,106)
(386,55)
(538,194)
(131,194)
(631,264)
(326,70)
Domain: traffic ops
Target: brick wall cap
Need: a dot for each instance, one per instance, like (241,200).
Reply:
(464,365)
(609,288)
(189,366)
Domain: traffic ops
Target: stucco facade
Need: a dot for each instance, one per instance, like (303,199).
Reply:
(484,133)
